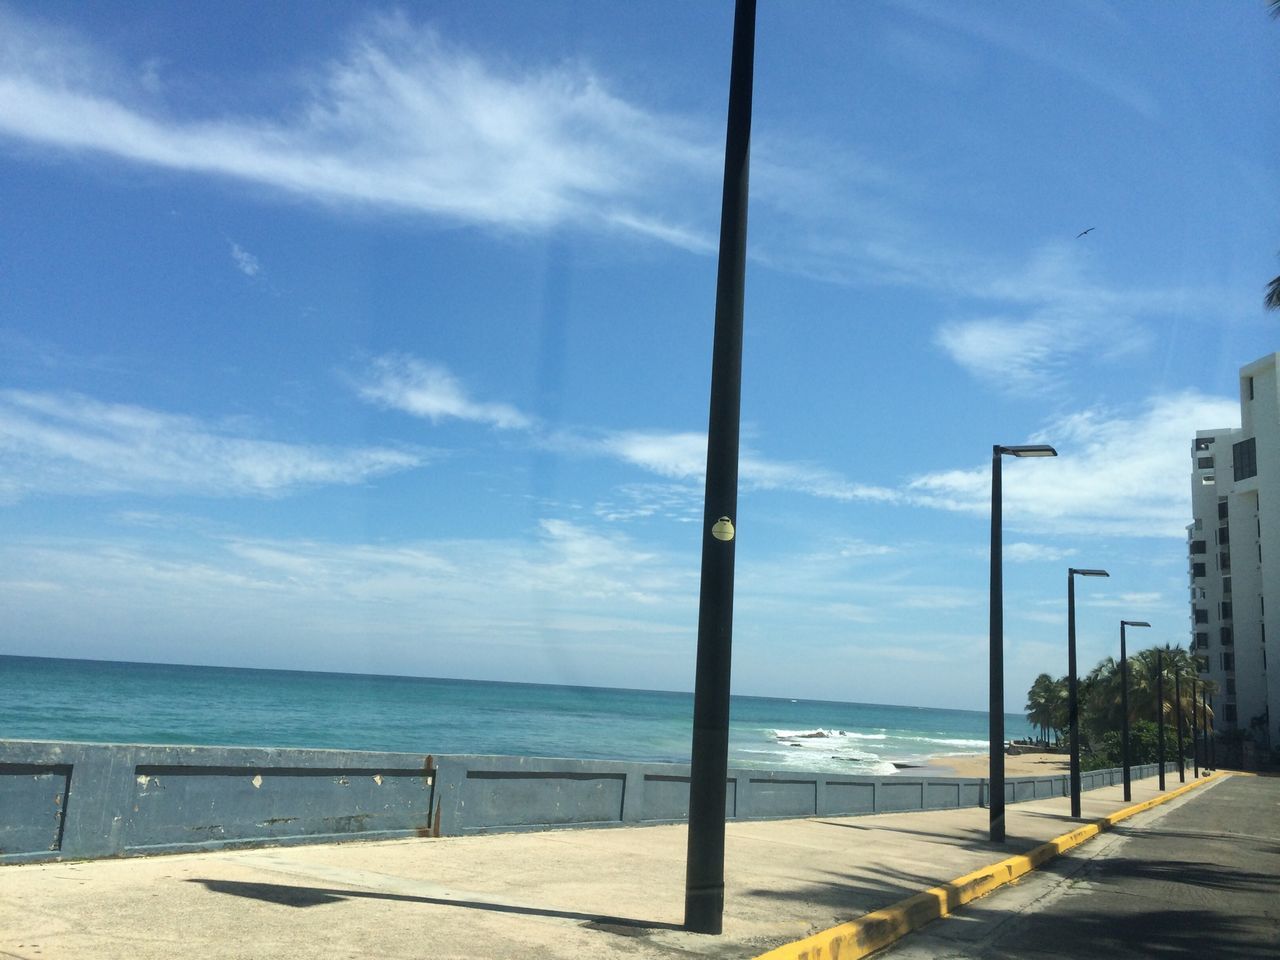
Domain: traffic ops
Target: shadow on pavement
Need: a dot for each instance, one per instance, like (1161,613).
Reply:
(292,895)
(1172,934)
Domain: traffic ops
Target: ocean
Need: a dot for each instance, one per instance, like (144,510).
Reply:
(107,701)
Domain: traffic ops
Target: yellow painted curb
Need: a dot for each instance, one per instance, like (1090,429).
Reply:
(858,938)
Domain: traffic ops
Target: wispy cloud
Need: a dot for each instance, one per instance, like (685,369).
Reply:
(1035,553)
(66,443)
(1002,33)
(1051,317)
(1117,474)
(430,391)
(683,455)
(402,121)
(245,261)
(538,606)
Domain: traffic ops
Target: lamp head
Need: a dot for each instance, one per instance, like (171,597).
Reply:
(1087,573)
(1030,450)
(1134,623)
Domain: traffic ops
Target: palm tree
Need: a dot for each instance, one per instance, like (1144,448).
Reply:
(1272,300)
(1040,704)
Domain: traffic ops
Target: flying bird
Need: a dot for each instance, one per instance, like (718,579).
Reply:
(1083,232)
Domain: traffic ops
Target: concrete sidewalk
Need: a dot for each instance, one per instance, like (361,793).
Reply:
(567,893)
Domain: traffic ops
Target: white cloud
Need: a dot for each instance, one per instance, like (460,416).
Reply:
(1034,553)
(402,121)
(1053,317)
(1148,598)
(245,261)
(430,391)
(71,444)
(683,456)
(1116,474)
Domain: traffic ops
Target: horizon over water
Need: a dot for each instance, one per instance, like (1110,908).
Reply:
(45,698)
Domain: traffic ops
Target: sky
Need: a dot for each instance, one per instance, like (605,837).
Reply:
(377,339)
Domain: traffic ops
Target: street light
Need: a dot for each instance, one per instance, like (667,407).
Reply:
(1124,702)
(996,704)
(1195,726)
(1073,697)
(709,760)
(1160,715)
(1177,705)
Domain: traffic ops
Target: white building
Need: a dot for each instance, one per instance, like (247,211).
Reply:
(1234,547)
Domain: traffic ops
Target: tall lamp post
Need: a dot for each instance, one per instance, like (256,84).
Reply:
(1073,696)
(1124,703)
(1177,706)
(996,705)
(1195,727)
(709,766)
(1160,715)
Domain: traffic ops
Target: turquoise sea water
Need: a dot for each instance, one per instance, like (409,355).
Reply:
(159,703)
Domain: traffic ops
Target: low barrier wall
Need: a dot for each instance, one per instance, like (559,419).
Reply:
(61,800)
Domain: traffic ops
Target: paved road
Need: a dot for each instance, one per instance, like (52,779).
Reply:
(1199,878)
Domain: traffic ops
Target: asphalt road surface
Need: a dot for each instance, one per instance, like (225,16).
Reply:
(1197,878)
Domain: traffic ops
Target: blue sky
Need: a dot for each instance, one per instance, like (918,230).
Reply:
(378,339)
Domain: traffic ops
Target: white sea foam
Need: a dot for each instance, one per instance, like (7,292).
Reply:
(946,742)
(822,733)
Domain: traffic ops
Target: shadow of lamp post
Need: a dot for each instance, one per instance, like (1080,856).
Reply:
(996,705)
(1073,685)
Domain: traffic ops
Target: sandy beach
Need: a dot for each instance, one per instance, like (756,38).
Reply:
(976,765)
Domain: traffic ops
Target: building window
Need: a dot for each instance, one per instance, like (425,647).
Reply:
(1229,712)
(1197,569)
(1222,508)
(1207,479)
(1231,686)
(1224,610)
(1224,536)
(1224,634)
(1228,661)
(1244,458)
(1202,640)
(1224,562)
(1226,586)
(1203,443)
(1202,664)
(1199,546)
(1248,388)
(1204,463)
(1202,616)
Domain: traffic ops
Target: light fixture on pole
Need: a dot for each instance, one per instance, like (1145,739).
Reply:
(996,650)
(1073,695)
(1124,703)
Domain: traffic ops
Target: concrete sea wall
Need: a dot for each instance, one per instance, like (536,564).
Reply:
(72,801)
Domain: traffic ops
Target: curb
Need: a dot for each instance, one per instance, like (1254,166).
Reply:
(878,929)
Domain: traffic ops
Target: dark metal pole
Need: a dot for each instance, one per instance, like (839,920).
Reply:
(996,704)
(1073,697)
(1124,713)
(1195,727)
(1210,736)
(704,874)
(1177,706)
(1160,714)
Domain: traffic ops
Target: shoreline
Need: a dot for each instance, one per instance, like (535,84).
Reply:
(978,765)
